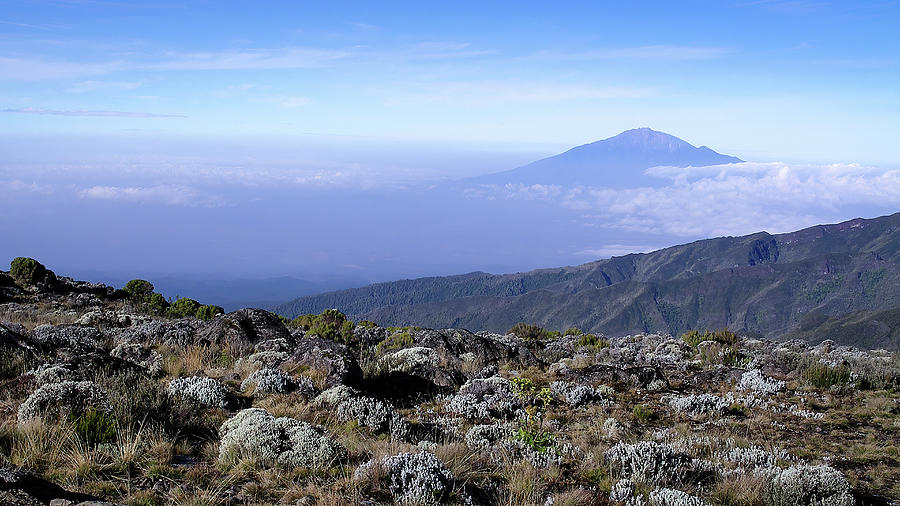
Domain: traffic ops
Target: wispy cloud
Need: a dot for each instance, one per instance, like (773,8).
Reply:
(27,69)
(85,112)
(290,102)
(172,195)
(502,92)
(251,59)
(92,85)
(652,52)
(610,250)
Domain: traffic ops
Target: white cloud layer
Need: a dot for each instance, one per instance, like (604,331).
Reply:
(728,199)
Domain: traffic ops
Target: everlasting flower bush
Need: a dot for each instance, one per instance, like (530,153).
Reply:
(696,405)
(412,478)
(66,398)
(671,497)
(755,381)
(579,395)
(206,392)
(269,381)
(485,398)
(805,485)
(140,356)
(649,462)
(280,441)
(374,414)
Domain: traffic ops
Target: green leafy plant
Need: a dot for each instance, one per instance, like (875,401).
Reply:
(394,342)
(29,271)
(536,400)
(822,375)
(724,336)
(592,341)
(208,312)
(573,331)
(643,413)
(183,307)
(530,332)
(331,324)
(139,289)
(95,427)
(157,304)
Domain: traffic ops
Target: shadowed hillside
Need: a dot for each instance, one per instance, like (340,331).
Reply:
(760,283)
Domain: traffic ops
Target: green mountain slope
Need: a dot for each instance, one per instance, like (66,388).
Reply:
(760,283)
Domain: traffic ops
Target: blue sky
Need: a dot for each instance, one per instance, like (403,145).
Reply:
(307,138)
(787,80)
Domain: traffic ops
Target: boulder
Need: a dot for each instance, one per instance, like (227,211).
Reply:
(331,358)
(242,329)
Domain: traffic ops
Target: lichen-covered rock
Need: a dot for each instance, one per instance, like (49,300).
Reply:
(412,478)
(805,485)
(243,329)
(335,395)
(142,356)
(63,399)
(206,392)
(331,358)
(277,441)
(492,397)
(19,487)
(106,318)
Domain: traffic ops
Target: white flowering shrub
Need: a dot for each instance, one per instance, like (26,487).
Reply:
(485,398)
(277,441)
(408,360)
(612,429)
(335,395)
(53,373)
(696,405)
(139,355)
(374,414)
(483,437)
(74,337)
(269,381)
(805,485)
(412,478)
(63,399)
(578,395)
(672,497)
(649,462)
(204,391)
(622,490)
(754,458)
(755,381)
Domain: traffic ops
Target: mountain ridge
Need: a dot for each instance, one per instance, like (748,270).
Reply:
(761,283)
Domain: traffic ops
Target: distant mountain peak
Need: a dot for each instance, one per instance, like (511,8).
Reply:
(615,162)
(646,138)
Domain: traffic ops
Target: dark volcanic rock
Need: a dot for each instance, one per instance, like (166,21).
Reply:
(242,328)
(333,359)
(21,488)
(634,377)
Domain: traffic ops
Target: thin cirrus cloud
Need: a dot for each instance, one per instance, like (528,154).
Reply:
(503,91)
(651,52)
(85,112)
(31,69)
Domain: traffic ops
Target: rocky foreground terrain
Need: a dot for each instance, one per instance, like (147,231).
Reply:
(120,396)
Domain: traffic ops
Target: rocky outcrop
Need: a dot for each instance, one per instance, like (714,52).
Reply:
(333,360)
